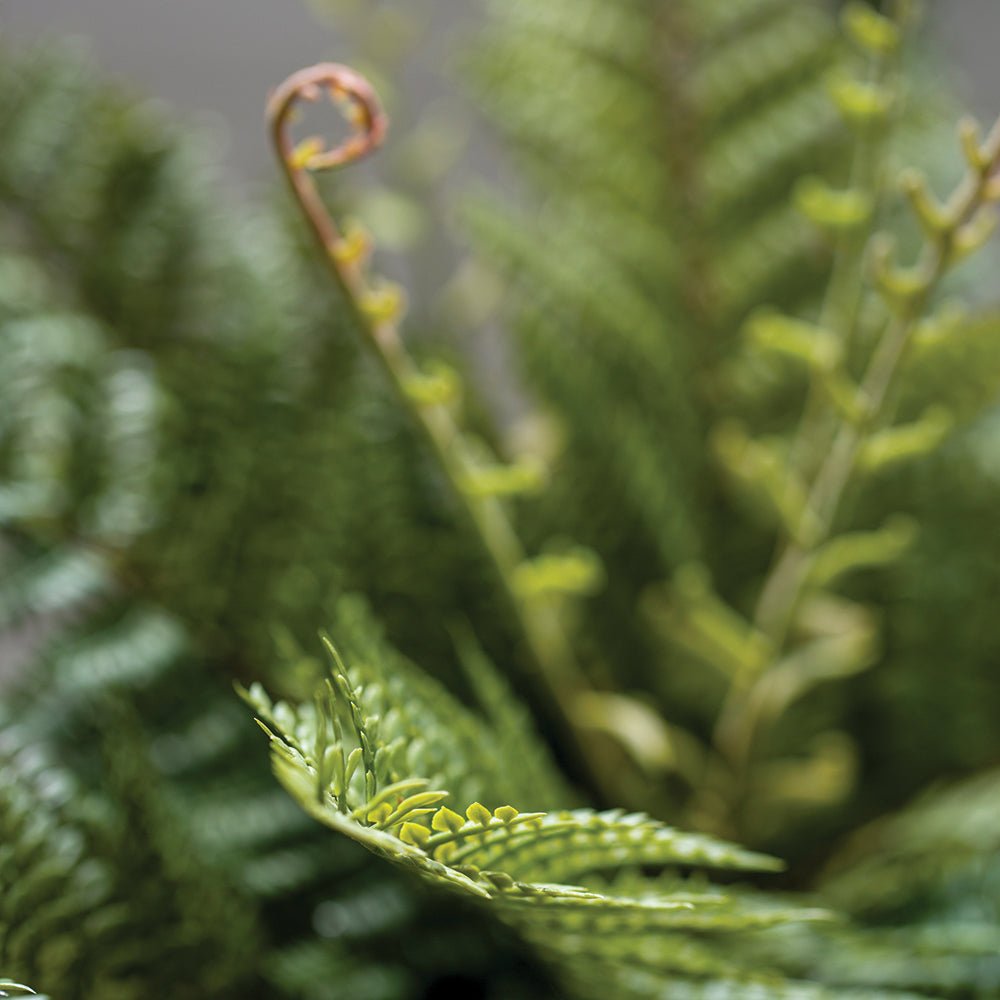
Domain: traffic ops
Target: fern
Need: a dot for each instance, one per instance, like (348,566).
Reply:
(12,989)
(920,887)
(135,434)
(197,463)
(689,125)
(799,637)
(684,126)
(653,229)
(352,765)
(81,886)
(129,406)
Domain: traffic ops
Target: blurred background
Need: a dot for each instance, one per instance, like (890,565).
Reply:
(209,67)
(212,65)
(215,61)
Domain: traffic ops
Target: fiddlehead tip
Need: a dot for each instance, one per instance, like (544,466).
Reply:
(351,92)
(358,102)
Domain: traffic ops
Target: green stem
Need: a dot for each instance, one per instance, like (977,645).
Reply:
(554,667)
(744,710)
(841,302)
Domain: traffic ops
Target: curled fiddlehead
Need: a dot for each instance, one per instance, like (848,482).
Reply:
(430,397)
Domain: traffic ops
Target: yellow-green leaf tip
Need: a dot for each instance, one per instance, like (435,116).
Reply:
(478,813)
(415,834)
(447,821)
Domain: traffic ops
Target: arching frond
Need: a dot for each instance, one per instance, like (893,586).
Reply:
(352,763)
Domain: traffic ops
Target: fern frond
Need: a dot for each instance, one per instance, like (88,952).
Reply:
(327,971)
(410,705)
(80,887)
(536,781)
(921,887)
(641,983)
(917,852)
(12,989)
(566,846)
(339,759)
(171,466)
(54,583)
(684,126)
(954,365)
(127,416)
(134,650)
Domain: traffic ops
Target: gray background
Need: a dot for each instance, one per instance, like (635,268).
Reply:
(216,59)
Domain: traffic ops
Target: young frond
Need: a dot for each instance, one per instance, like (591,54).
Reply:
(172,485)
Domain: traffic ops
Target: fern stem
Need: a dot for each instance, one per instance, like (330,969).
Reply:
(839,311)
(742,713)
(554,667)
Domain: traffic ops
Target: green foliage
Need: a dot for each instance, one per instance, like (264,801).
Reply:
(175,424)
(11,989)
(920,887)
(149,428)
(197,463)
(410,704)
(639,272)
(922,884)
(352,763)
(674,307)
(102,899)
(683,126)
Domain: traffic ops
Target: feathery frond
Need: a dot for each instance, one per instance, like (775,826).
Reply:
(355,770)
